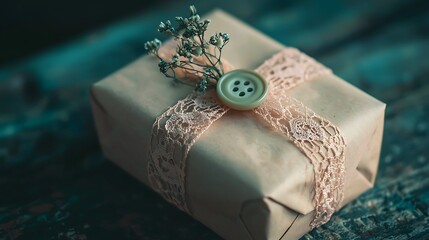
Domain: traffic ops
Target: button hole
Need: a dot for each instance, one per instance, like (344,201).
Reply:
(236,82)
(241,94)
(246,83)
(250,89)
(235,89)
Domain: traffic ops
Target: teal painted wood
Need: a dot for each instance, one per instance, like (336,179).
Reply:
(56,184)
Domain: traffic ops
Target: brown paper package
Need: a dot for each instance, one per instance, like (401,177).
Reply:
(244,181)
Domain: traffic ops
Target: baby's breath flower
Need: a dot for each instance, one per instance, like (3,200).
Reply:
(190,31)
(166,27)
(163,66)
(197,51)
(216,40)
(194,18)
(175,61)
(152,46)
(192,45)
(182,22)
(225,36)
(205,24)
(202,85)
(193,10)
(219,39)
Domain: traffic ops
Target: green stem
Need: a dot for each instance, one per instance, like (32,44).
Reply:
(208,58)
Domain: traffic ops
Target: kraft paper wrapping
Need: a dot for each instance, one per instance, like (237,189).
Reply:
(244,181)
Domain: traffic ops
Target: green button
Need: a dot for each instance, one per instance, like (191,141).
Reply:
(242,89)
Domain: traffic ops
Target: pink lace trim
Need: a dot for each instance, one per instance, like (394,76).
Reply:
(173,134)
(176,130)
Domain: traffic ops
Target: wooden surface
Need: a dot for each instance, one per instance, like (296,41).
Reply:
(55,183)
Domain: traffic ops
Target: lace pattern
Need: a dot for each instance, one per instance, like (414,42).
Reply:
(173,134)
(320,141)
(288,68)
(316,137)
(176,130)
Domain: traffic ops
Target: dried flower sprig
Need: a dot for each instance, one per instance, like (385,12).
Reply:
(196,61)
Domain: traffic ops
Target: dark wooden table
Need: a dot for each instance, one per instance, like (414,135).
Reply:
(55,183)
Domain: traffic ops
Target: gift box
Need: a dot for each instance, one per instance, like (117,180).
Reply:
(242,180)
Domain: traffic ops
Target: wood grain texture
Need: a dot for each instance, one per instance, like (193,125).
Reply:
(55,184)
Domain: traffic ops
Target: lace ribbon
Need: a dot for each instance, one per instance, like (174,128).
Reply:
(177,129)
